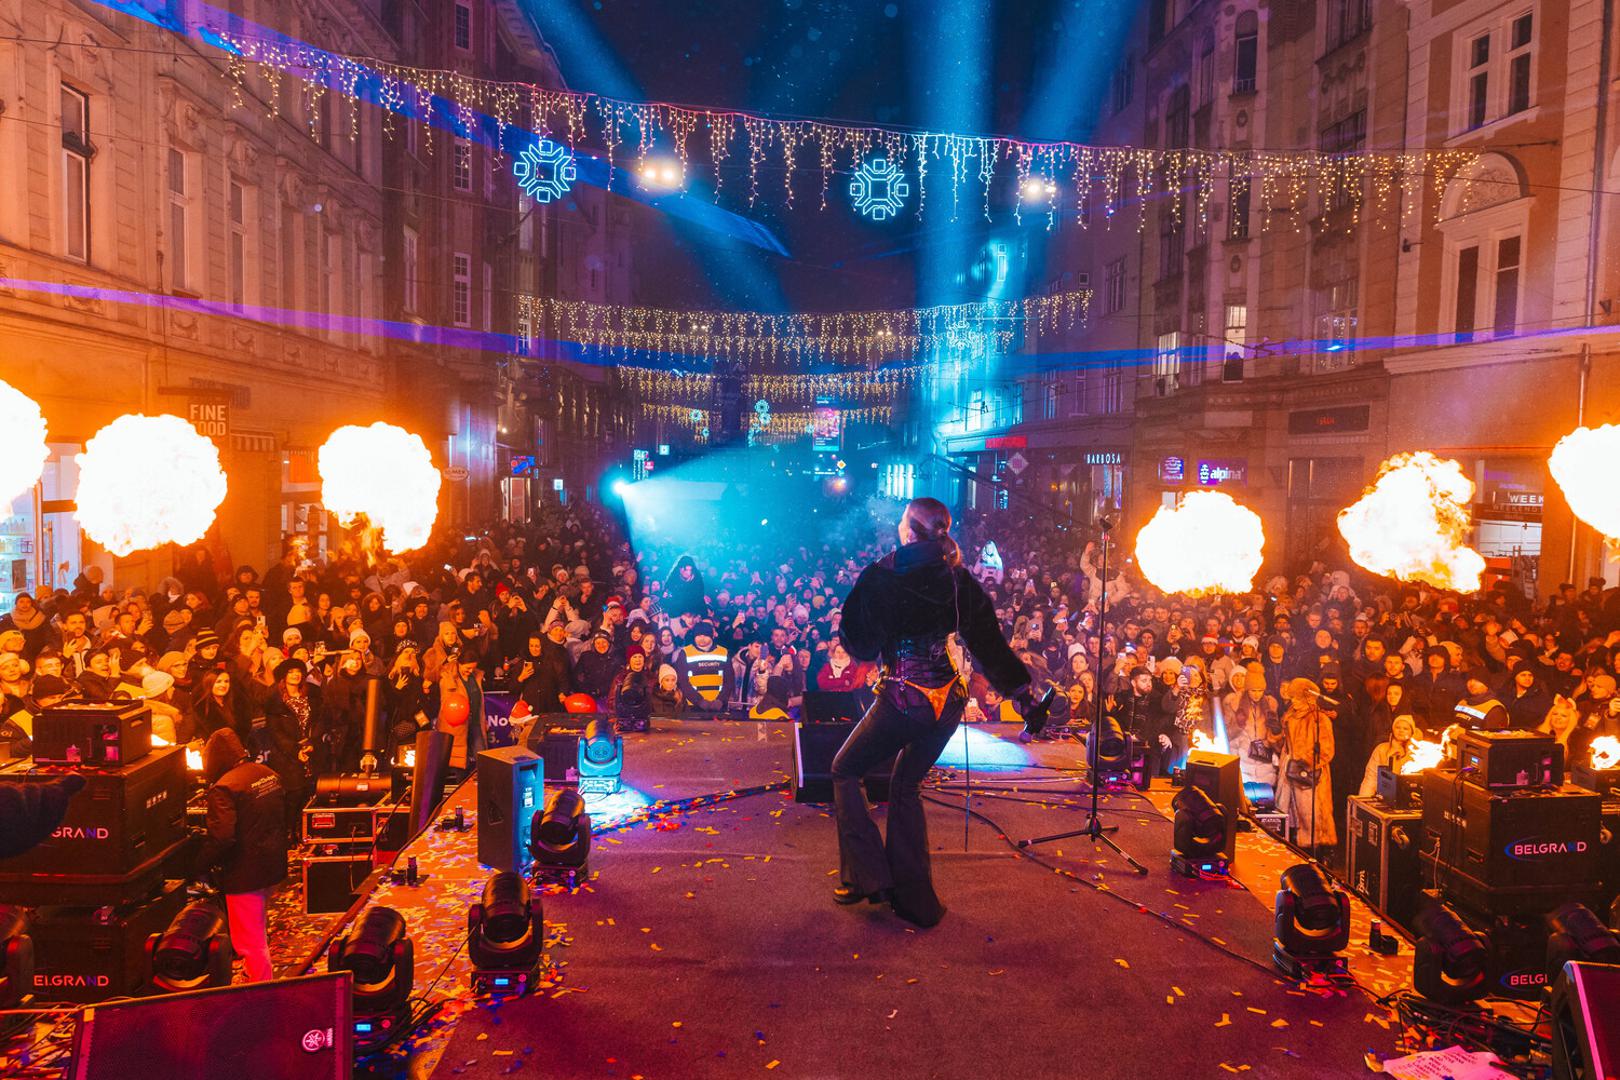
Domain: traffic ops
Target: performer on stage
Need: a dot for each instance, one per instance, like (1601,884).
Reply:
(901,611)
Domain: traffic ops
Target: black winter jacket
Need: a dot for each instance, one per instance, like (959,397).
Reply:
(247,831)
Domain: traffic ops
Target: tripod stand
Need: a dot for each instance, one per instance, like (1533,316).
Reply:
(1094,829)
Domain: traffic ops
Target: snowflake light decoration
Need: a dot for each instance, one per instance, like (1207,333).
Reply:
(545,170)
(879,189)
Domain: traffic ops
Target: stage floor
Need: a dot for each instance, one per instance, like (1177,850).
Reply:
(707,944)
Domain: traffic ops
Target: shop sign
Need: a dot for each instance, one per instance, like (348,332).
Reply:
(1007,442)
(1330,421)
(1105,457)
(1173,470)
(211,418)
(1220,472)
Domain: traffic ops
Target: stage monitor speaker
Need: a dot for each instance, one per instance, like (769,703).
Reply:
(821,706)
(92,954)
(427,777)
(300,1027)
(1585,1022)
(814,747)
(559,746)
(511,784)
(1219,777)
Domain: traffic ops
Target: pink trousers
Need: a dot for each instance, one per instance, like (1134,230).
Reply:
(250,932)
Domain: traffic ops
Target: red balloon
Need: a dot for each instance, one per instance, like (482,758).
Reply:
(579,703)
(453,711)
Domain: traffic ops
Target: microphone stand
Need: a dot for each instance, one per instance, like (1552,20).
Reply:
(1094,829)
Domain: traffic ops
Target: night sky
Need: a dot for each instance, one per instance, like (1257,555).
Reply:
(1027,68)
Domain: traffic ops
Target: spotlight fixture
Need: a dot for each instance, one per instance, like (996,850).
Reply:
(1110,752)
(601,758)
(1312,925)
(504,936)
(662,174)
(1576,933)
(379,954)
(1451,961)
(1037,189)
(16,959)
(560,837)
(193,953)
(1200,834)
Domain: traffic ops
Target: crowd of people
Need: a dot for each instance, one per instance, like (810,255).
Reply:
(1314,680)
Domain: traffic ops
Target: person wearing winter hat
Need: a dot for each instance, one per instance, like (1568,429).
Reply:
(704,673)
(666,694)
(1479,708)
(1305,781)
(246,844)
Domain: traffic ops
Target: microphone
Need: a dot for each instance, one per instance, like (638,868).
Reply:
(1039,710)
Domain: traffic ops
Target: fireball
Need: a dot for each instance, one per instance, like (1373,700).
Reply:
(24,426)
(1425,755)
(1207,544)
(386,474)
(1606,752)
(146,481)
(1412,523)
(1583,464)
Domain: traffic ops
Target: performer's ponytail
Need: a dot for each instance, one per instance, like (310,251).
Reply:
(930,519)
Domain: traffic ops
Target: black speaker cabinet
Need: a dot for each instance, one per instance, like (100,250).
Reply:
(92,954)
(814,747)
(102,735)
(511,785)
(1383,857)
(1220,778)
(1585,1022)
(122,832)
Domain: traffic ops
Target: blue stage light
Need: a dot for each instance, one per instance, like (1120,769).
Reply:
(620,487)
(879,189)
(601,759)
(545,170)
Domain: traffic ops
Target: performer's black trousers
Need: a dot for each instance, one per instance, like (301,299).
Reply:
(900,719)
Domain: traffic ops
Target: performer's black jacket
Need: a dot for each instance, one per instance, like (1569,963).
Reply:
(913,594)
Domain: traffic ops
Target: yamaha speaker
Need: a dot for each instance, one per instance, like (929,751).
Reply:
(814,747)
(256,1031)
(1585,1023)
(1218,776)
(511,782)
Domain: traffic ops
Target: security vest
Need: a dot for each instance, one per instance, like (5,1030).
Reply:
(705,670)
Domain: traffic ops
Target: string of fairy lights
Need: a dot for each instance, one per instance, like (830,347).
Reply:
(890,171)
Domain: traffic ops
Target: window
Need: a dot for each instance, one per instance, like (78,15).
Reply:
(76,152)
(463,26)
(237,214)
(1336,312)
(180,232)
(1051,392)
(290,231)
(461,166)
(1347,136)
(1347,19)
(408,271)
(1236,345)
(1172,243)
(461,293)
(1237,210)
(1125,84)
(1114,287)
(1467,292)
(1506,312)
(1479,80)
(489,297)
(1246,70)
(1167,363)
(1519,39)
(1206,71)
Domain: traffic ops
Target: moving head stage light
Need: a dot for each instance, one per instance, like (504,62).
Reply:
(1451,963)
(379,954)
(1312,925)
(1576,934)
(601,759)
(560,837)
(194,953)
(1200,834)
(505,934)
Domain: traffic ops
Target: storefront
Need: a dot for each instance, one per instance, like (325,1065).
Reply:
(40,542)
